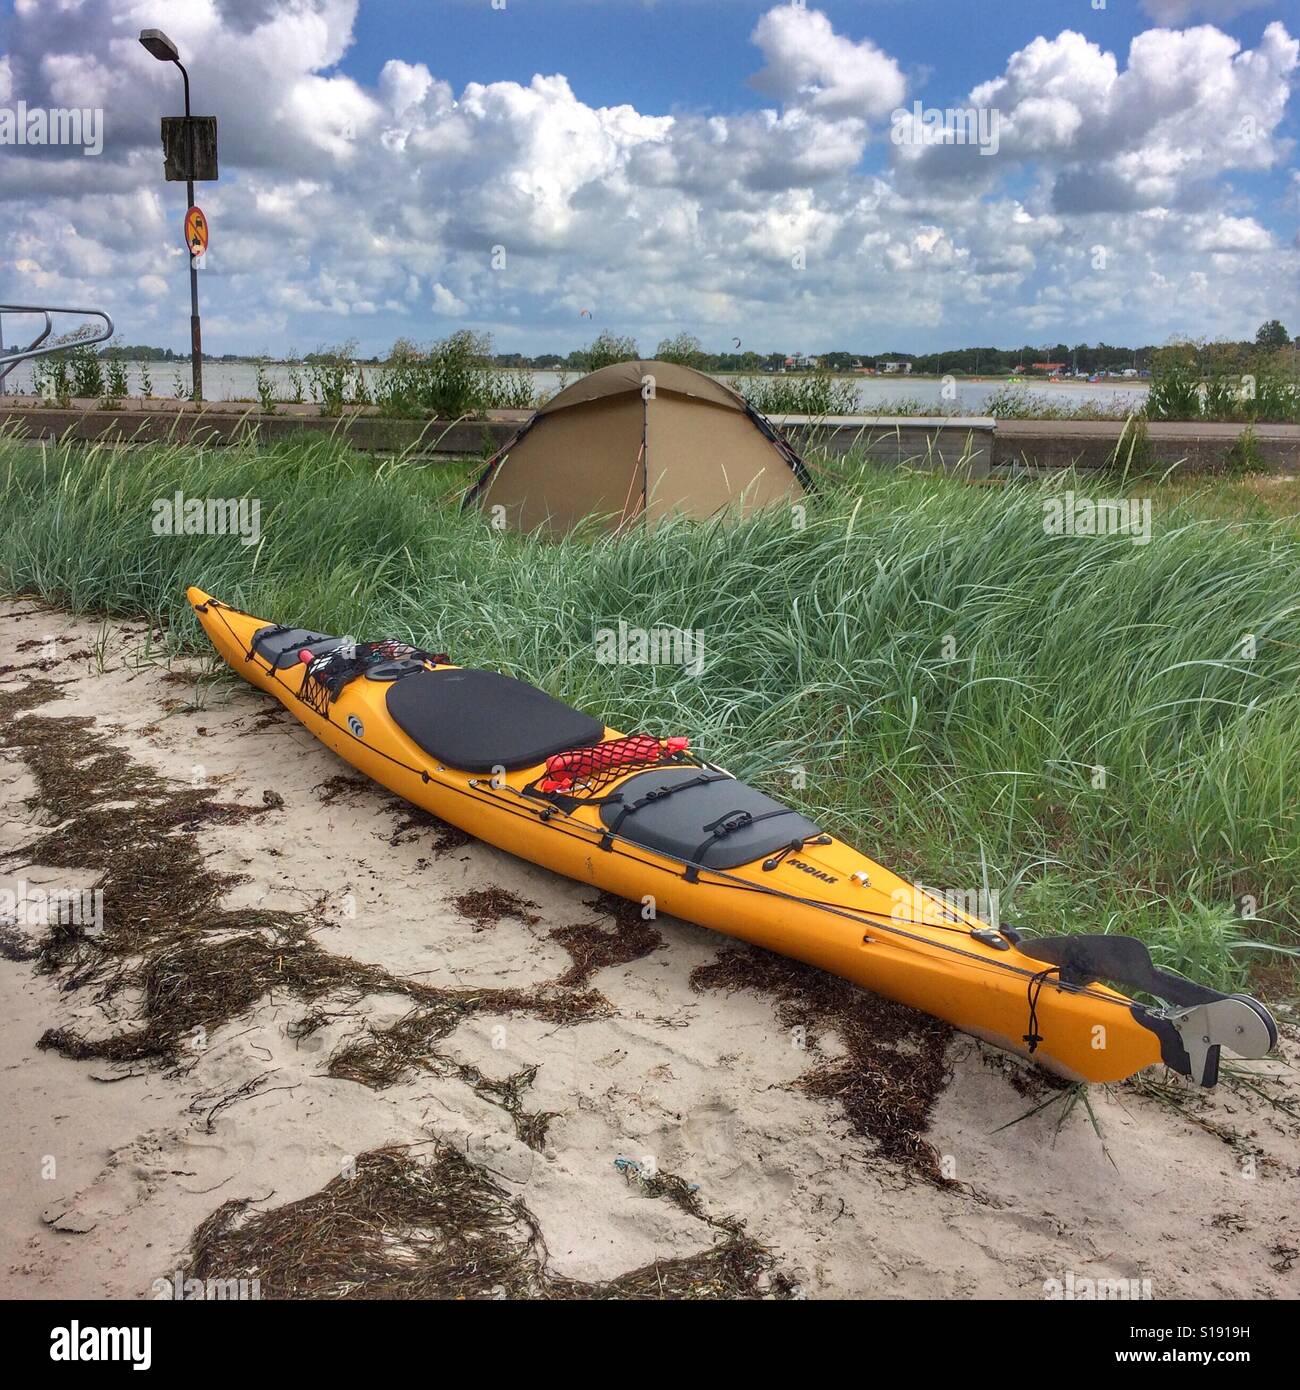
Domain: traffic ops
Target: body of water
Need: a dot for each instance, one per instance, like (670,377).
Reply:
(237,381)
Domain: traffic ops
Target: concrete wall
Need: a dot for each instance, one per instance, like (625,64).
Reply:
(213,426)
(953,444)
(973,447)
(1191,448)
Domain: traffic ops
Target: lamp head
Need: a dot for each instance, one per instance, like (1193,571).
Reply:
(160,45)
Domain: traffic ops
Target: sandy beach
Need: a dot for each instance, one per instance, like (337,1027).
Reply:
(360,1005)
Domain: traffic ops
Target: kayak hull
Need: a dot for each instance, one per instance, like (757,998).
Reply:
(831,906)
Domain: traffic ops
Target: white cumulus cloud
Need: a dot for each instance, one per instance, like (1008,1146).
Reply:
(809,64)
(444,302)
(404,207)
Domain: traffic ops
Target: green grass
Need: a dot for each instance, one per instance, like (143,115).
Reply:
(825,649)
(806,393)
(1025,403)
(1182,393)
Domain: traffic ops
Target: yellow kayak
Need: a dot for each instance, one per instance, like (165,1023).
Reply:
(644,818)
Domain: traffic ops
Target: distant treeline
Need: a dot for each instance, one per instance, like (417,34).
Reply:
(687,349)
(987,360)
(128,352)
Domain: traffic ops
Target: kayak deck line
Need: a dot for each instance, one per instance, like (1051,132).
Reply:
(857,914)
(408,718)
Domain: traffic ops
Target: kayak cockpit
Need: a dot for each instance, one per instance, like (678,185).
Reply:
(481,720)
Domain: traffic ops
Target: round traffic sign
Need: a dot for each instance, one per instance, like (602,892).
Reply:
(196,232)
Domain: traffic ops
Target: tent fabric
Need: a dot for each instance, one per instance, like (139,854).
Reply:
(631,376)
(730,461)
(578,463)
(607,447)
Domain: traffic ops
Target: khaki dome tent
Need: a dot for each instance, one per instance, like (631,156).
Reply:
(611,445)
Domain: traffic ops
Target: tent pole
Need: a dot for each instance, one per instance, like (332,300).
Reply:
(645,449)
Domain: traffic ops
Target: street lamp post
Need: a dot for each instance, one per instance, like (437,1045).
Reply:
(162,48)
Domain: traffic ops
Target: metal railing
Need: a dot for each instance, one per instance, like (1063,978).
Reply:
(13,357)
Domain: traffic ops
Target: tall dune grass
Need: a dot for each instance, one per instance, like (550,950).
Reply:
(947,675)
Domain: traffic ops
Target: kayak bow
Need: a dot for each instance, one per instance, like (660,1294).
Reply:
(645,819)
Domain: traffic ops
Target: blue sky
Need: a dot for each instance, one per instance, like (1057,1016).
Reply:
(696,53)
(722,167)
(664,55)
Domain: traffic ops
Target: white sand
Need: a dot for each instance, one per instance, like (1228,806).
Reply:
(702,1083)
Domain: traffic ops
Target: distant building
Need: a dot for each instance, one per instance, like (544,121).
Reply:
(1049,367)
(891,368)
